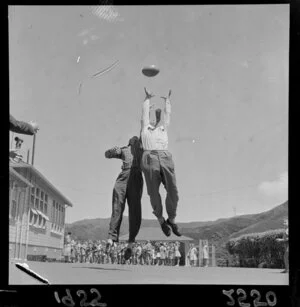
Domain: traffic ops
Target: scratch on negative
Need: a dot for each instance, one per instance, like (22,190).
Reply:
(109,68)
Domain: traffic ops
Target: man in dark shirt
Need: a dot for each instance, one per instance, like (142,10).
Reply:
(128,186)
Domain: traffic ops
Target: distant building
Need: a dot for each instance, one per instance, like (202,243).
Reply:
(36,214)
(155,234)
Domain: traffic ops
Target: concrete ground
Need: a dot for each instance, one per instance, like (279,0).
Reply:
(83,273)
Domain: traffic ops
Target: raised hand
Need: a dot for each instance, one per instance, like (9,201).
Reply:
(168,97)
(149,95)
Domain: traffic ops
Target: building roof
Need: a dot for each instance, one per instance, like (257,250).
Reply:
(19,177)
(154,234)
(42,177)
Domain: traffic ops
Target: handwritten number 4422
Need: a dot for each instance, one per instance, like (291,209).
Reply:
(271,299)
(68,300)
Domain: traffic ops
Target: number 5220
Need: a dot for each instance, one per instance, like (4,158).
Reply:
(271,299)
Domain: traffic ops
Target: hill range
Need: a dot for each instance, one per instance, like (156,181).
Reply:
(218,231)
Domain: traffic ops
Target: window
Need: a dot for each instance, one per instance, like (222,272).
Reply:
(46,204)
(59,210)
(32,201)
(42,195)
(13,209)
(52,211)
(35,220)
(36,204)
(37,192)
(40,222)
(44,223)
(31,218)
(41,206)
(63,214)
(56,216)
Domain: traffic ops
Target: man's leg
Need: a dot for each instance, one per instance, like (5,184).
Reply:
(118,206)
(150,165)
(169,182)
(134,195)
(151,169)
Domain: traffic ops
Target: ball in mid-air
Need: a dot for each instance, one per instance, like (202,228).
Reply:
(150,71)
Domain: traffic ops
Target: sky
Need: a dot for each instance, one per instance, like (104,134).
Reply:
(227,67)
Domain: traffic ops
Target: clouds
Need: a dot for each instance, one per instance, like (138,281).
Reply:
(276,188)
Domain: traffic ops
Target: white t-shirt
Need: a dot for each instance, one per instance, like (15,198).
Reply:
(193,253)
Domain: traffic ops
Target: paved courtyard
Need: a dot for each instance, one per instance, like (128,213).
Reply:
(83,273)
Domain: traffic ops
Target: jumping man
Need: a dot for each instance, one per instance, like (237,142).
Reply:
(157,164)
(128,186)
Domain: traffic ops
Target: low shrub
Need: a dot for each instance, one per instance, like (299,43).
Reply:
(257,248)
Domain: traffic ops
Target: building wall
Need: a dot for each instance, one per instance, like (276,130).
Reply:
(45,237)
(53,233)
(50,252)
(18,214)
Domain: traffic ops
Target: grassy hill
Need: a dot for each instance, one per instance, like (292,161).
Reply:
(272,219)
(217,232)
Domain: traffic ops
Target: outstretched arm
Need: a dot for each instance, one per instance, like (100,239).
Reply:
(114,152)
(167,109)
(145,110)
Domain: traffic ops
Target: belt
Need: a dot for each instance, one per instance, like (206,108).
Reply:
(157,151)
(130,168)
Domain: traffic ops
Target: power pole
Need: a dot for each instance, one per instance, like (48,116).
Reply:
(33,149)
(234,211)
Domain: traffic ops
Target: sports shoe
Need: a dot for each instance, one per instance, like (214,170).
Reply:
(174,228)
(165,228)
(128,253)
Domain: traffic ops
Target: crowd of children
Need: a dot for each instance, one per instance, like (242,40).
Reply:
(144,253)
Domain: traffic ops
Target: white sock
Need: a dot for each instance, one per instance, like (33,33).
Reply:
(110,241)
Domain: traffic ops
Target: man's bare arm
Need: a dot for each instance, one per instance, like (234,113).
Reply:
(145,109)
(167,109)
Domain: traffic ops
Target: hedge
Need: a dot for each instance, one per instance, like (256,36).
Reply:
(258,249)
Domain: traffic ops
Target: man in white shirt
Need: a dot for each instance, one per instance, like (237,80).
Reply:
(157,164)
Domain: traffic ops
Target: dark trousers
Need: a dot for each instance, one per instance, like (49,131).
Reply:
(158,167)
(128,186)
